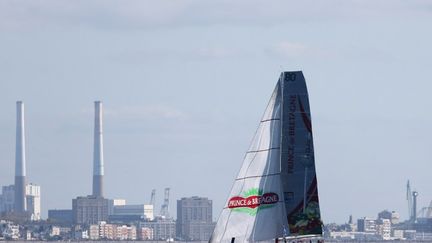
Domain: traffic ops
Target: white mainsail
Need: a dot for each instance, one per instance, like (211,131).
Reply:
(257,209)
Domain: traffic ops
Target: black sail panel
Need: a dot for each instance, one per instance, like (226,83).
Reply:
(298,174)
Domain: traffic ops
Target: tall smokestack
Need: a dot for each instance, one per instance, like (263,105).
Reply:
(98,164)
(20,160)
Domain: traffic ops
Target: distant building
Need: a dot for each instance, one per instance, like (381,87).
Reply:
(7,199)
(383,228)
(105,231)
(194,218)
(367,225)
(423,225)
(126,232)
(32,200)
(11,231)
(145,233)
(54,231)
(89,210)
(398,234)
(93,232)
(385,215)
(342,235)
(410,234)
(146,211)
(115,202)
(60,216)
(125,219)
(163,229)
(395,217)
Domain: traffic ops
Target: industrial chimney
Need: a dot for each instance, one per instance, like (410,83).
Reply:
(98,164)
(20,161)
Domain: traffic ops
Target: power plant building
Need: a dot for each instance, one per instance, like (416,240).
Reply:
(194,218)
(32,201)
(89,210)
(95,208)
(21,199)
(113,203)
(145,211)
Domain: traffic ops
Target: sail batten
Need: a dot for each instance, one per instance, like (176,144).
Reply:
(275,193)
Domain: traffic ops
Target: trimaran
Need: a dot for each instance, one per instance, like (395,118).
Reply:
(275,196)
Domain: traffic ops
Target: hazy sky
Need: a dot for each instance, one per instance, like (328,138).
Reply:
(184,84)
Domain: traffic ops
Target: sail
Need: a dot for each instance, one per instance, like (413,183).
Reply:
(297,158)
(275,194)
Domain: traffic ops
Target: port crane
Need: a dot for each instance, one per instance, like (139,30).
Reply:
(153,197)
(165,206)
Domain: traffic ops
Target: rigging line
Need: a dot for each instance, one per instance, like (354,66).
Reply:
(267,175)
(261,150)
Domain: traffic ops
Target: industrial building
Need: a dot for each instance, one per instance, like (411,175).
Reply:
(131,213)
(21,200)
(94,208)
(194,218)
(89,210)
(33,201)
(60,216)
(115,202)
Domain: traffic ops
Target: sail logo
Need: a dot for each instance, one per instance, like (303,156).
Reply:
(252,201)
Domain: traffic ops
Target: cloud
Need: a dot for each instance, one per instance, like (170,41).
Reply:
(146,14)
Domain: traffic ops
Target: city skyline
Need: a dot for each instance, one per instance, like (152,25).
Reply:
(99,155)
(184,85)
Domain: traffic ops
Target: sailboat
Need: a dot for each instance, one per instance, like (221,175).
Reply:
(275,195)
